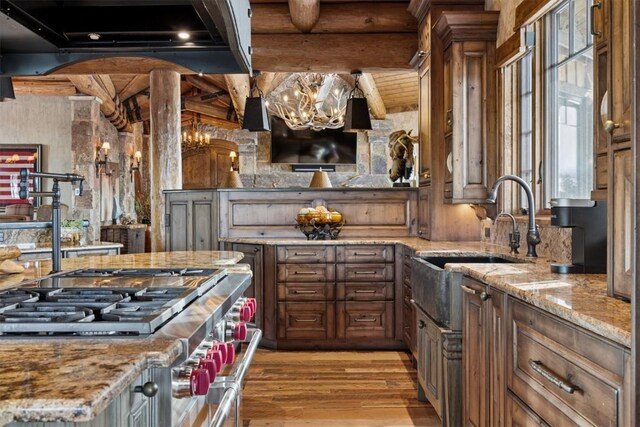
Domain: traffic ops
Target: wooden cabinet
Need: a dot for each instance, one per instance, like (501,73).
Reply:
(131,236)
(424,125)
(424,212)
(559,371)
(336,296)
(621,225)
(408,310)
(192,219)
(254,256)
(483,344)
(621,57)
(469,103)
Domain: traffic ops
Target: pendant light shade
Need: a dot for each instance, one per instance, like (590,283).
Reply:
(357,114)
(255,115)
(256,118)
(6,89)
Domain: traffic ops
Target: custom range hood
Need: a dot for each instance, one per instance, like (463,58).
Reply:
(208,36)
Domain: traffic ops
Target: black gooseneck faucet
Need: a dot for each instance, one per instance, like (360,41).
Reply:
(24,193)
(533,235)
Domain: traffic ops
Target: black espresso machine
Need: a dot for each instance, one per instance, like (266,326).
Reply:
(588,220)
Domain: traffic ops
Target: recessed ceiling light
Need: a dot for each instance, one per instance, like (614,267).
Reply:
(184,35)
(94,36)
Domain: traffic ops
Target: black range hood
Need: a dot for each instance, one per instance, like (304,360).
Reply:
(39,36)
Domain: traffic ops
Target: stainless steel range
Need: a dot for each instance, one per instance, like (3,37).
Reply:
(203,308)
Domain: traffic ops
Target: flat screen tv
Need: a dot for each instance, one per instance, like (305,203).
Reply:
(311,147)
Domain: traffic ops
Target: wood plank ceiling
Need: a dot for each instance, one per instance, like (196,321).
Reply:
(378,37)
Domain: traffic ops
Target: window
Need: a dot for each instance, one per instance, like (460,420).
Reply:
(555,106)
(569,102)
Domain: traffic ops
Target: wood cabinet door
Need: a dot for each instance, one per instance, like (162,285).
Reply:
(620,53)
(424,150)
(474,366)
(495,308)
(424,212)
(621,225)
(192,221)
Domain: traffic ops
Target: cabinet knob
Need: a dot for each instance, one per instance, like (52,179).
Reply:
(610,126)
(421,324)
(484,296)
(148,389)
(422,54)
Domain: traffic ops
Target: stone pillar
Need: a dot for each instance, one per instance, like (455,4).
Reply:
(126,140)
(85,133)
(165,155)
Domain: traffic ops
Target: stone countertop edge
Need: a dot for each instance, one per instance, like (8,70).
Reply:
(87,247)
(603,315)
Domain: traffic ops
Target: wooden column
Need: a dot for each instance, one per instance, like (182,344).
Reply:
(165,156)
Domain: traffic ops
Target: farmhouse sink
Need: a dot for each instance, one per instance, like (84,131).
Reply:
(437,291)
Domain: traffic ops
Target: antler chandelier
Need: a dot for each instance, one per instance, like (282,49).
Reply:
(194,136)
(311,101)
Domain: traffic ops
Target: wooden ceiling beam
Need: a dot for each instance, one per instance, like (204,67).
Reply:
(204,85)
(49,87)
(238,86)
(304,14)
(368,86)
(111,106)
(136,85)
(196,106)
(333,52)
(187,117)
(269,81)
(362,17)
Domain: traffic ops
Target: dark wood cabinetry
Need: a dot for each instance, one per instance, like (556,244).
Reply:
(336,296)
(131,236)
(483,344)
(254,256)
(408,309)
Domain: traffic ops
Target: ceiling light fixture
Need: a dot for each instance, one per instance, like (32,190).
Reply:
(183,35)
(195,137)
(357,116)
(314,101)
(255,118)
(94,36)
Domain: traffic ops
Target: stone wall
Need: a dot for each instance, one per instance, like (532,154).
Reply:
(371,169)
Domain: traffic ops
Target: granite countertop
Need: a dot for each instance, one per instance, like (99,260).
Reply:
(70,379)
(578,298)
(33,248)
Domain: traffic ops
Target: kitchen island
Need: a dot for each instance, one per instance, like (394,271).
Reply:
(72,379)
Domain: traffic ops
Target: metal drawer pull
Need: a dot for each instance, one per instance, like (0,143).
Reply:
(539,367)
(365,320)
(469,290)
(304,292)
(592,19)
(368,291)
(364,272)
(305,253)
(305,273)
(314,320)
(364,253)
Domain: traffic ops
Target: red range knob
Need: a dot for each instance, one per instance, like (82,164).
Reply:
(251,302)
(199,381)
(240,331)
(245,313)
(215,355)
(210,366)
(231,353)
(222,349)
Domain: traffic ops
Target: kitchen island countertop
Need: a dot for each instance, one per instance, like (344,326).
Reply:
(74,379)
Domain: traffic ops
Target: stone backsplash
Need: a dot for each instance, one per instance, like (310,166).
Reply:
(555,241)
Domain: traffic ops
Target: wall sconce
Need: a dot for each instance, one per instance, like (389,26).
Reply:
(137,157)
(234,165)
(357,115)
(101,164)
(255,116)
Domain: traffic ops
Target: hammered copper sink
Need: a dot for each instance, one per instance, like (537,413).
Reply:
(438,292)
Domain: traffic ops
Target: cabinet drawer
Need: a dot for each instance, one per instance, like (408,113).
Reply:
(298,320)
(406,292)
(306,291)
(559,371)
(364,319)
(519,415)
(407,254)
(360,253)
(305,273)
(306,254)
(407,320)
(406,275)
(365,291)
(364,272)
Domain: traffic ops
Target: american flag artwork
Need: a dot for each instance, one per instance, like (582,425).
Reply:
(12,159)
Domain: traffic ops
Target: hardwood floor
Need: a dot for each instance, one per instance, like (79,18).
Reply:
(333,388)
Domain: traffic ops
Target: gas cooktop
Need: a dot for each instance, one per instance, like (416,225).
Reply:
(110,302)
